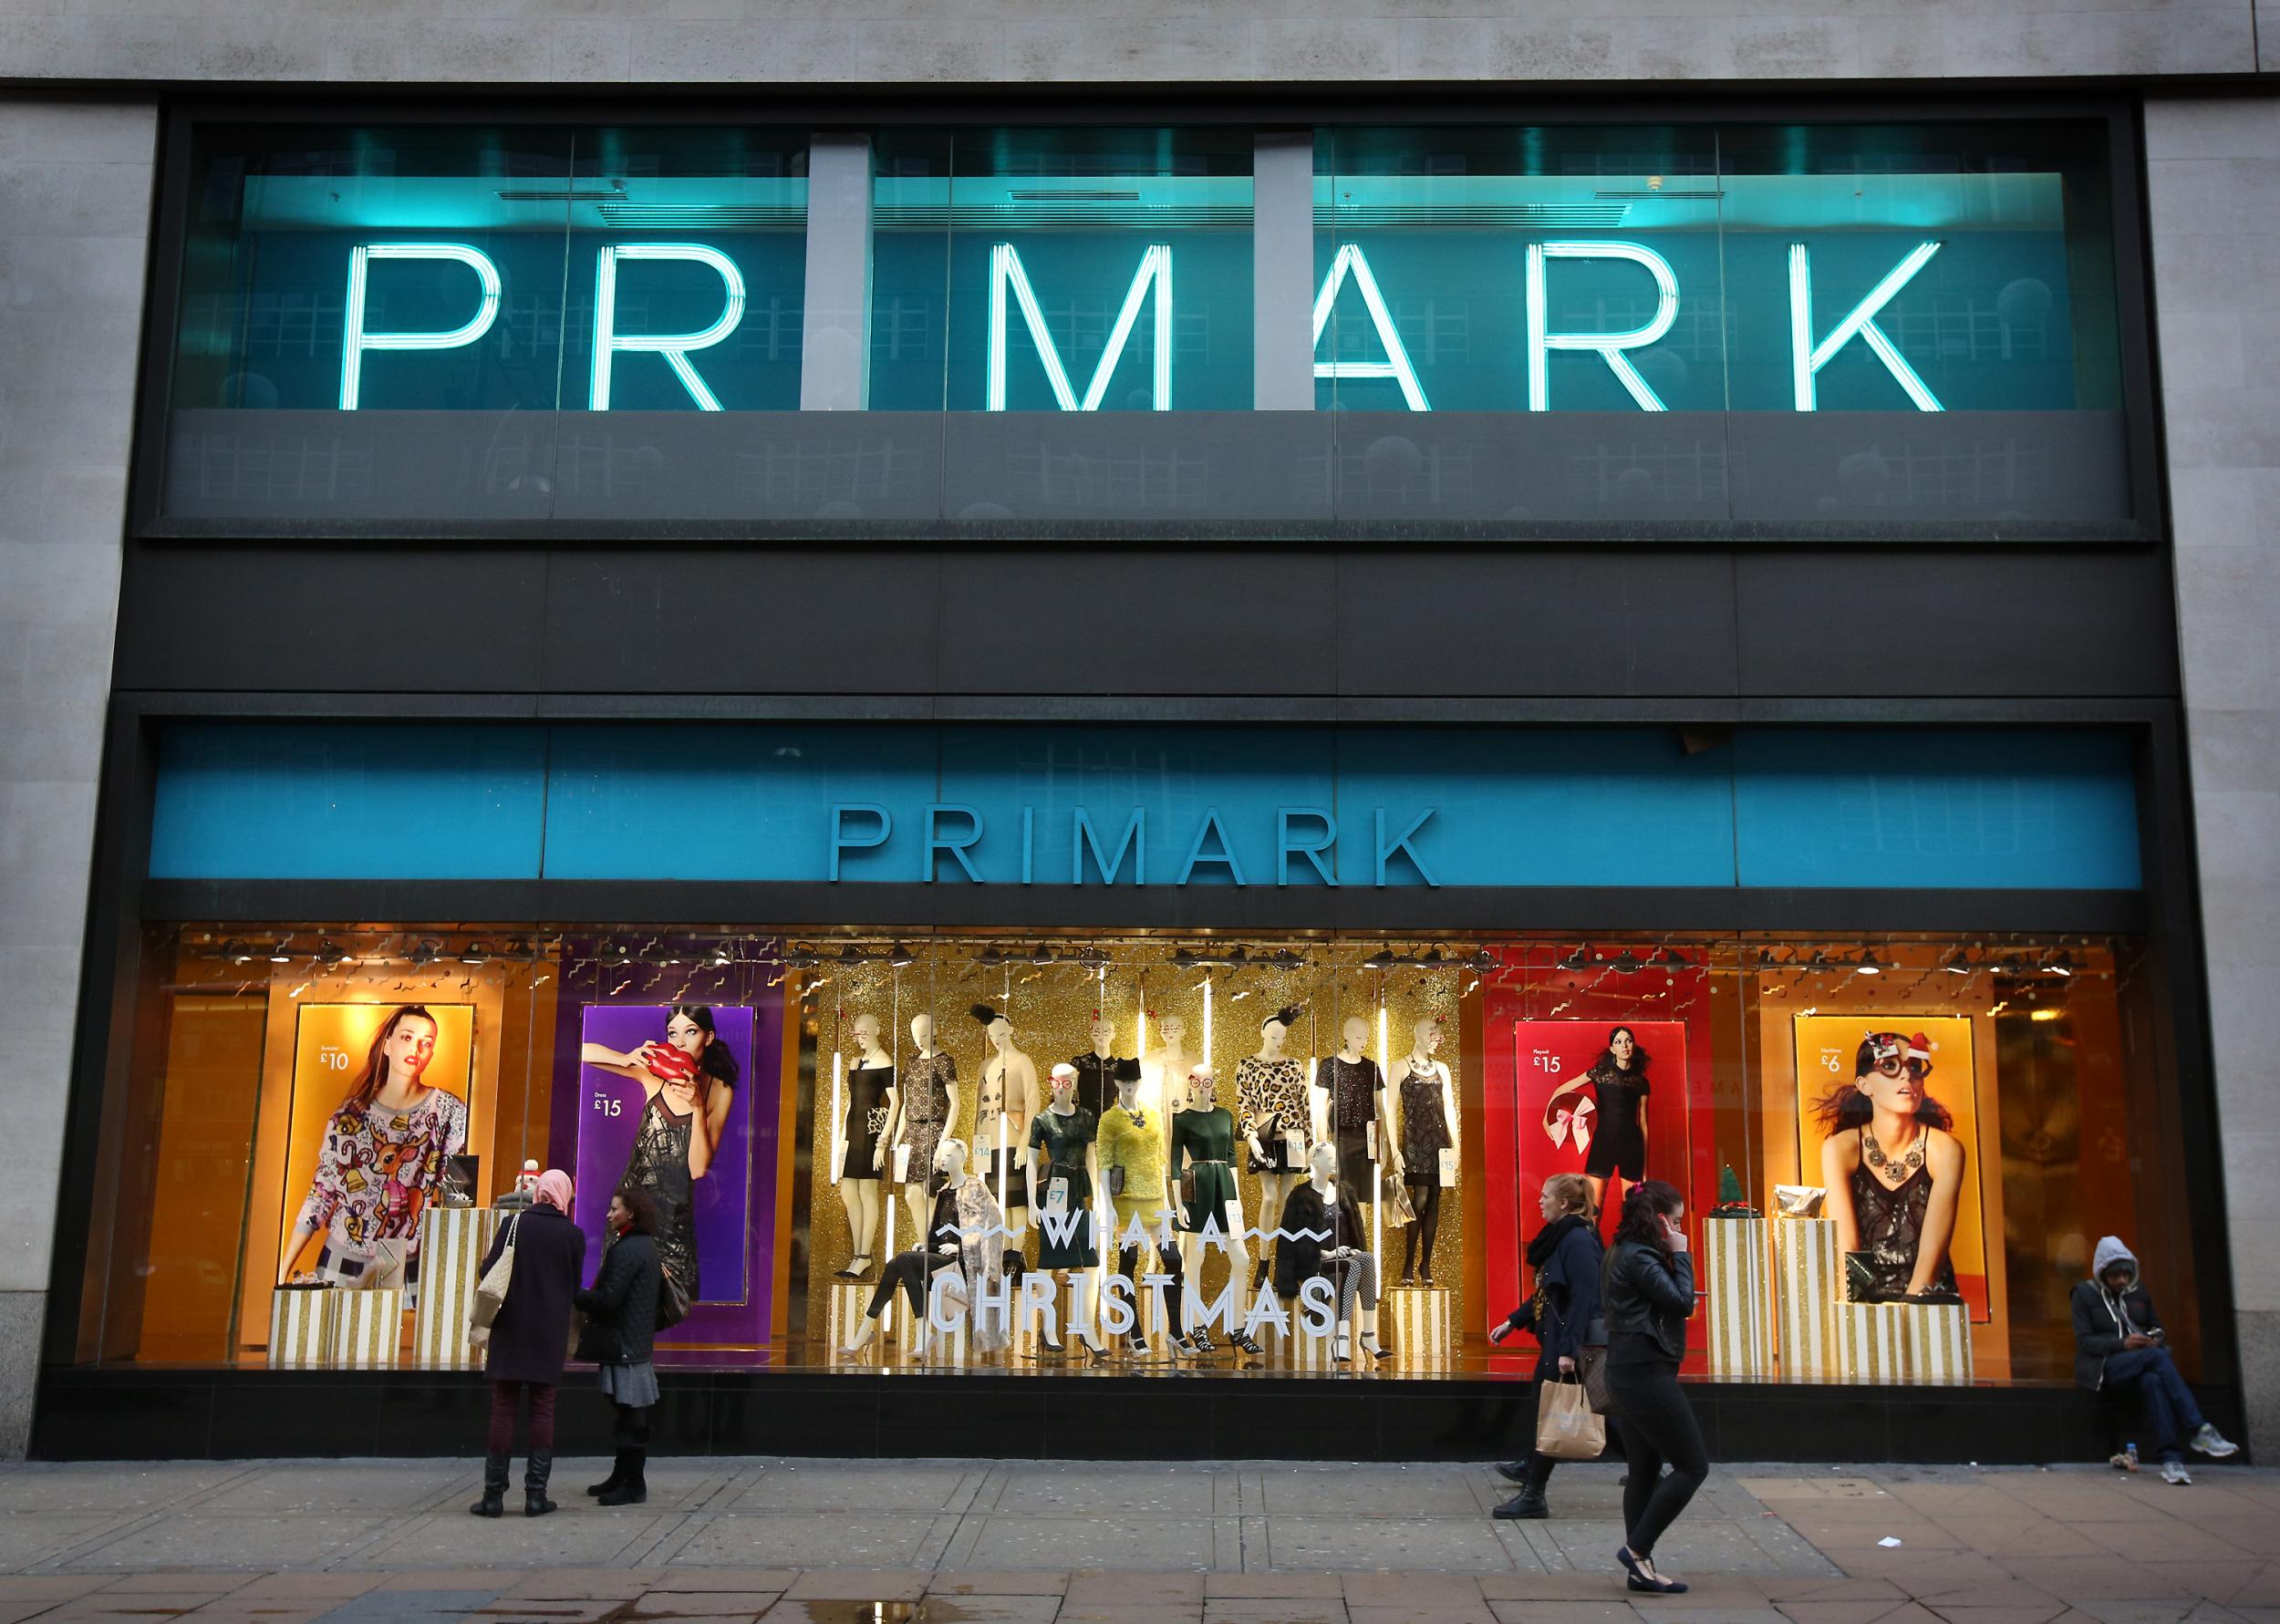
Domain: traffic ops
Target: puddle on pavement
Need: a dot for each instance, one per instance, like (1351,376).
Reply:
(934,1610)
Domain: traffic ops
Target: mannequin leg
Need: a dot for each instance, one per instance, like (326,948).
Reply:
(1191,1257)
(1409,1248)
(1274,1189)
(1426,1199)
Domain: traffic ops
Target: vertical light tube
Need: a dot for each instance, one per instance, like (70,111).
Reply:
(1377,1183)
(1206,1023)
(838,1117)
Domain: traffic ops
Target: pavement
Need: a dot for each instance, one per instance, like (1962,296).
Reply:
(953,1542)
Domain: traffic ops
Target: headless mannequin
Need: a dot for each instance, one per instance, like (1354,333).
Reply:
(1274,1188)
(1353,1270)
(1202,1094)
(1086,1316)
(860,1196)
(917,1197)
(913,1271)
(1353,1037)
(1008,1091)
(1423,1176)
(1146,1202)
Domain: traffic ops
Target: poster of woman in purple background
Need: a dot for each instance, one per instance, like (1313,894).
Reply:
(683,1133)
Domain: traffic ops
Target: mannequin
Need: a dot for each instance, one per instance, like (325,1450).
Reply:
(1350,1096)
(1008,1089)
(1165,1070)
(1325,1216)
(1099,1072)
(1064,1165)
(1272,1109)
(926,1105)
(1131,1163)
(1428,1119)
(1203,1137)
(964,1233)
(870,1106)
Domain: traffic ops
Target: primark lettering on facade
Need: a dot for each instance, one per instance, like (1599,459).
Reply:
(952,836)
(1152,289)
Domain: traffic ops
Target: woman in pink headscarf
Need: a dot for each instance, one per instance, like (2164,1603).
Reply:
(530,1339)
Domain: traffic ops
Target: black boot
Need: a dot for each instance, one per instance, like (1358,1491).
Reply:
(493,1503)
(534,1476)
(616,1476)
(631,1489)
(1527,1506)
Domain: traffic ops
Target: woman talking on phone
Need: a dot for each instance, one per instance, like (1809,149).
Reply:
(1648,1292)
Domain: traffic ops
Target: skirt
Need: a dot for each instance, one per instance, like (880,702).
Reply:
(634,1386)
(1356,1169)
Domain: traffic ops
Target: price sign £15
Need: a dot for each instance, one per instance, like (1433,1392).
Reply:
(610,1105)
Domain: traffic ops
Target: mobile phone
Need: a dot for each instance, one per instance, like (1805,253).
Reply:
(2158,1334)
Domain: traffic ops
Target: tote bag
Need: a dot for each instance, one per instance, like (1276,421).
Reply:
(491,1291)
(1567,1427)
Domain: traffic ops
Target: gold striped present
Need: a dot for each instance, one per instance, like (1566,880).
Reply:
(1808,1283)
(301,1325)
(1420,1317)
(1905,1344)
(368,1329)
(1740,1312)
(452,1241)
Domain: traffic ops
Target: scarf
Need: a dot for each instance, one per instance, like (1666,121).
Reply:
(1549,1237)
(553,1189)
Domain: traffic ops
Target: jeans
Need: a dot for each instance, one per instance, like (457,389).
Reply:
(2151,1375)
(506,1398)
(1658,1427)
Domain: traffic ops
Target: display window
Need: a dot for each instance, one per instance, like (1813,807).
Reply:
(1273,1154)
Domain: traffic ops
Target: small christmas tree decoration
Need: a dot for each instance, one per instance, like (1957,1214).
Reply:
(1730,1202)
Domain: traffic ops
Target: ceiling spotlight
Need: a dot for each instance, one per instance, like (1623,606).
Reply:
(281,951)
(1767,960)
(1431,959)
(851,954)
(516,948)
(1482,962)
(1670,959)
(721,958)
(234,951)
(899,956)
(1627,964)
(1186,959)
(2061,965)
(331,952)
(424,953)
(2010,965)
(991,957)
(1235,958)
(1580,959)
(1869,965)
(1091,957)
(475,953)
(1288,960)
(1958,964)
(1044,954)
(1385,959)
(801,958)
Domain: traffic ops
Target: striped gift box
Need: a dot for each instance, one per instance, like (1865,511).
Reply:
(301,1325)
(367,1329)
(1734,1279)
(1420,1316)
(1905,1344)
(452,1241)
(1808,1282)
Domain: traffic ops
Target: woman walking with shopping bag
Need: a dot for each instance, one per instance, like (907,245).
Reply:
(1648,1293)
(1566,1256)
(527,1336)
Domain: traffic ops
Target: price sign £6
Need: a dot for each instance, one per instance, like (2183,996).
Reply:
(1832,1060)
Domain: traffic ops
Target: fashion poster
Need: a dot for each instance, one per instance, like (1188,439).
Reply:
(380,1102)
(1604,1099)
(1908,1198)
(666,1102)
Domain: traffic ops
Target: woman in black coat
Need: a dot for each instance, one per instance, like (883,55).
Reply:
(1648,1293)
(1565,1256)
(621,1331)
(529,1340)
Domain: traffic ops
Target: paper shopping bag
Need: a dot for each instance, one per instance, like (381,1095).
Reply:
(1567,1428)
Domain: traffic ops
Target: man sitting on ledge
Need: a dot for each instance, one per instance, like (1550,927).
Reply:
(2119,1348)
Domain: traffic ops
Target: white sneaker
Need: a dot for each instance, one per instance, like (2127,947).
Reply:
(2210,1442)
(2174,1471)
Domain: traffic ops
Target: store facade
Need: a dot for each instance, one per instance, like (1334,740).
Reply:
(730,651)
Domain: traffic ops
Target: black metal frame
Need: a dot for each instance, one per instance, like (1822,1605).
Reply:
(1112,104)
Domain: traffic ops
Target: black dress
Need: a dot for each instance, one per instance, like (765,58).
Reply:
(867,1120)
(1097,1077)
(1425,1127)
(659,1164)
(1620,1147)
(1063,1140)
(1355,1086)
(1891,1223)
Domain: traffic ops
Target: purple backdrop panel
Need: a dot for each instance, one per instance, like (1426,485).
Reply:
(734,1204)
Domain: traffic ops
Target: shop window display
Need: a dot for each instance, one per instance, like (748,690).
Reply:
(1281,1155)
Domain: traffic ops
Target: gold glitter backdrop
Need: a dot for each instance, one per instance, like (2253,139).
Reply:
(1052,993)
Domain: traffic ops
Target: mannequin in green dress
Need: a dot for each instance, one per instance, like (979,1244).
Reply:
(1203,1136)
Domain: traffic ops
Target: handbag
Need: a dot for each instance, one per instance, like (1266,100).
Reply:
(491,1291)
(1394,1208)
(672,1301)
(1567,1427)
(1590,1367)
